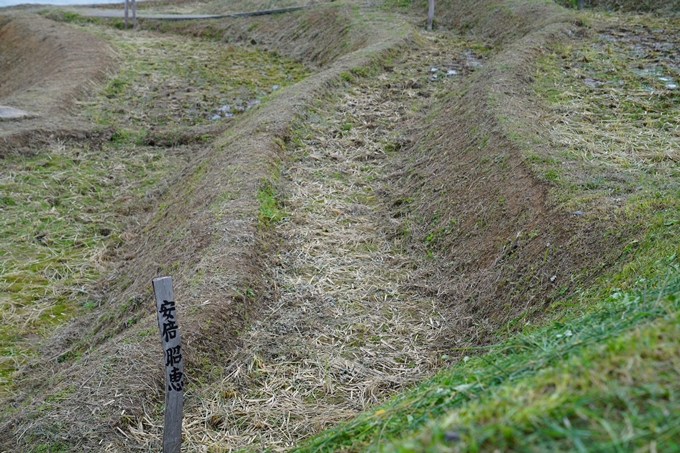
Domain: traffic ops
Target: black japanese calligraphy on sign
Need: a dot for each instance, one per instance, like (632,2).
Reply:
(169,324)
(169,330)
(173,352)
(173,356)
(175,383)
(167,309)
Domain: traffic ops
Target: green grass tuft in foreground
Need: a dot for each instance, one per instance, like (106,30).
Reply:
(270,206)
(604,380)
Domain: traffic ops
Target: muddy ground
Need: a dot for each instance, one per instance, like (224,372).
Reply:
(341,239)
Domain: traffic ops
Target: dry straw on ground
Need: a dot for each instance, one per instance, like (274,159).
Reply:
(347,330)
(614,107)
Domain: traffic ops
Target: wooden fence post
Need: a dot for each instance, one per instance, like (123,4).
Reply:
(174,365)
(134,14)
(430,14)
(126,13)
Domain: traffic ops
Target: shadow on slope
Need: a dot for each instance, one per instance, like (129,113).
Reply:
(494,242)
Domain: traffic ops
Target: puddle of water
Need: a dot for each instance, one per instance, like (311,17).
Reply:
(646,72)
(591,82)
(225,111)
(472,61)
(444,71)
(606,37)
(658,74)
(668,81)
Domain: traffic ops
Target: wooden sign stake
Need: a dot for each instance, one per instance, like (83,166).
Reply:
(174,365)
(133,4)
(134,14)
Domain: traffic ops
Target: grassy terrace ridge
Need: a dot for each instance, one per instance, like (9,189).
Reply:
(604,380)
(612,111)
(602,373)
(68,207)
(321,238)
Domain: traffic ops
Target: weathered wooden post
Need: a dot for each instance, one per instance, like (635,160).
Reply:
(174,365)
(126,13)
(134,14)
(430,14)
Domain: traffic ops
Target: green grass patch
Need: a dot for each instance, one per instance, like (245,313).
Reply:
(603,380)
(169,81)
(67,210)
(271,209)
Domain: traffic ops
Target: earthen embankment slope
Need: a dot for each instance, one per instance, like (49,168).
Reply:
(44,68)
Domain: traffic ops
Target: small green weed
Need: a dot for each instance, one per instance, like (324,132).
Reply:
(362,71)
(346,76)
(270,207)
(56,447)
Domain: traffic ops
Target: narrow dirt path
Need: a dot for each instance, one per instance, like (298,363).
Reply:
(345,331)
